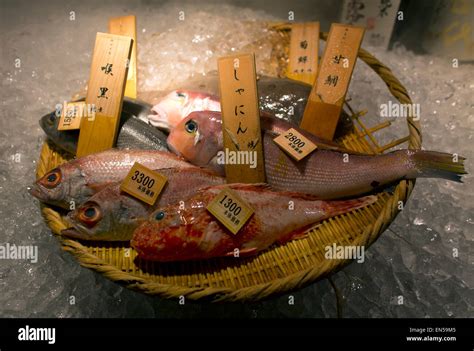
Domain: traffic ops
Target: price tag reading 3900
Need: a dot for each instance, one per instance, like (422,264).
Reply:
(143,183)
(295,144)
(230,209)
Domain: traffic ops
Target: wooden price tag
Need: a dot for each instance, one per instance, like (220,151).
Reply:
(127,25)
(241,118)
(71,116)
(329,90)
(295,144)
(105,93)
(304,46)
(230,209)
(143,183)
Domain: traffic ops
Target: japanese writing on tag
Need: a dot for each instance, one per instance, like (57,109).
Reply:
(230,209)
(143,183)
(71,116)
(303,59)
(338,63)
(295,144)
(241,117)
(378,18)
(327,96)
(127,25)
(105,92)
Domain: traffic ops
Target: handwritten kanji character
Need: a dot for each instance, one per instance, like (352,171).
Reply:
(331,80)
(336,59)
(107,69)
(103,90)
(302,59)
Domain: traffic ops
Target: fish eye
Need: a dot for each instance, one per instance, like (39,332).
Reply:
(180,94)
(90,214)
(191,126)
(159,215)
(51,179)
(52,118)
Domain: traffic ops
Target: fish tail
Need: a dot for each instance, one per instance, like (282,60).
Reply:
(432,164)
(334,208)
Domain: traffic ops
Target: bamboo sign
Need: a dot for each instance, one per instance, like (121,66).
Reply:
(242,155)
(304,46)
(127,26)
(329,90)
(105,93)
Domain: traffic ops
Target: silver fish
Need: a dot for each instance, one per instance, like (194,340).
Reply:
(134,133)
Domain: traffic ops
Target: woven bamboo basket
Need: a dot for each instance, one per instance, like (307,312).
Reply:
(277,270)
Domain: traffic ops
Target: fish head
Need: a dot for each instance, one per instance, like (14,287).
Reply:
(172,234)
(198,137)
(66,139)
(87,222)
(107,215)
(49,123)
(56,186)
(170,110)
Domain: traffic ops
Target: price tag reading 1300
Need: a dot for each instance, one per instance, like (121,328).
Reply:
(230,209)
(143,183)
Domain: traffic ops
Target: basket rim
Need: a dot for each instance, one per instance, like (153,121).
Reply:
(276,286)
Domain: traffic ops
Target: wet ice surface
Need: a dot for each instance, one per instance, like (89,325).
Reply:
(413,259)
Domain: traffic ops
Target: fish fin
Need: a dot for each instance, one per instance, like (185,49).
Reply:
(320,143)
(300,233)
(337,207)
(96,187)
(432,164)
(214,167)
(243,253)
(171,170)
(245,186)
(238,186)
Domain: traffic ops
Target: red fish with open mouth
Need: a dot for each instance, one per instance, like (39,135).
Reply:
(190,232)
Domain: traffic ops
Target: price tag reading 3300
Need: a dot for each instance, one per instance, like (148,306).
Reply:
(143,183)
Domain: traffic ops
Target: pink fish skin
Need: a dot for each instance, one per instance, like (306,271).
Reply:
(329,172)
(180,103)
(176,234)
(80,178)
(113,215)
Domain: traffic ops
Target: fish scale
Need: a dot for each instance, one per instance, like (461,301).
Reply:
(134,131)
(83,177)
(323,172)
(120,213)
(193,233)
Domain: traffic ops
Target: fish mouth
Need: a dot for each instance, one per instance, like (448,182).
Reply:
(174,151)
(159,119)
(72,233)
(74,230)
(36,191)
